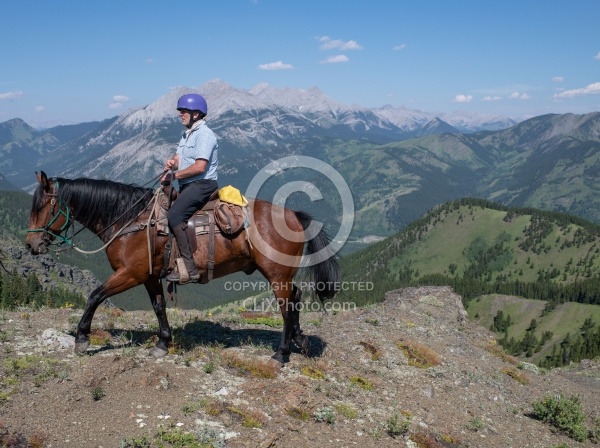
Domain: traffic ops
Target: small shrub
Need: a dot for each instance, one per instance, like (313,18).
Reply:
(595,430)
(190,408)
(397,425)
(418,355)
(133,442)
(210,437)
(37,439)
(565,414)
(326,415)
(209,367)
(475,424)
(97,393)
(177,437)
(99,337)
(373,321)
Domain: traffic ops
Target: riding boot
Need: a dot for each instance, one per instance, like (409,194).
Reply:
(188,260)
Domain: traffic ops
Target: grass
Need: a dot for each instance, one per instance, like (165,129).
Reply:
(255,368)
(418,355)
(346,410)
(249,418)
(313,372)
(361,382)
(516,375)
(35,368)
(255,318)
(298,413)
(373,350)
(497,350)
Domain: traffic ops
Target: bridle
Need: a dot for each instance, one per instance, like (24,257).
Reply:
(63,210)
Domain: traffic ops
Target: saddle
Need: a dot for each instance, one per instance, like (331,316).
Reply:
(216,216)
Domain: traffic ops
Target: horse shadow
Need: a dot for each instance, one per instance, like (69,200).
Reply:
(208,333)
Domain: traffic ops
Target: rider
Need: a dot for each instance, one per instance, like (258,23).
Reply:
(196,164)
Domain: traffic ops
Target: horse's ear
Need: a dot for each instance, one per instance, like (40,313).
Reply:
(43,179)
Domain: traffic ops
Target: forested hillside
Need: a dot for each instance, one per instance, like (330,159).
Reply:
(479,248)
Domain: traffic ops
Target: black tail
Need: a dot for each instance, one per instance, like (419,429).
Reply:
(322,262)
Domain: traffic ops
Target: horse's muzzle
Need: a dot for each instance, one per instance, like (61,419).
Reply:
(38,248)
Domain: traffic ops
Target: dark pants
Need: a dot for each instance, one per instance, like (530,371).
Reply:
(192,197)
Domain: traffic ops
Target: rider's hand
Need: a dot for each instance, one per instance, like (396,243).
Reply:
(167,178)
(169,164)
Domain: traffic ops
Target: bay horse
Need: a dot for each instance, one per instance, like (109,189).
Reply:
(273,243)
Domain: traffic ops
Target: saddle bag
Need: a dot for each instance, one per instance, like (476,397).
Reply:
(229,217)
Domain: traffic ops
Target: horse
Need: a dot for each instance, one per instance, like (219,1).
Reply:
(273,242)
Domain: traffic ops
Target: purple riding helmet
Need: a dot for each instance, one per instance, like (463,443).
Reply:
(193,101)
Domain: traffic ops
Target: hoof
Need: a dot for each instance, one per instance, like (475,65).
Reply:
(158,352)
(81,347)
(277,356)
(305,345)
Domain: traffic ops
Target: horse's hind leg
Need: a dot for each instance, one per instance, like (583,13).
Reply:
(156,294)
(302,341)
(283,293)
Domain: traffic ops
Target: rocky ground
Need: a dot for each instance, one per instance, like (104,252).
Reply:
(411,371)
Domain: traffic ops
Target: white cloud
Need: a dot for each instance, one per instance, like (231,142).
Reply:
(39,109)
(117,101)
(597,57)
(328,44)
(491,98)
(592,89)
(279,65)
(519,96)
(399,47)
(335,59)
(11,95)
(558,79)
(462,99)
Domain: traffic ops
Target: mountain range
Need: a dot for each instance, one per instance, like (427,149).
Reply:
(398,163)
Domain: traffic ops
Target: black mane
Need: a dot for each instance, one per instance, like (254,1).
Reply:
(98,203)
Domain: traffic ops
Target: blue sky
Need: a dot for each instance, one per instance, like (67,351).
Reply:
(75,61)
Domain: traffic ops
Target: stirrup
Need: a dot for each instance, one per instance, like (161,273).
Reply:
(175,277)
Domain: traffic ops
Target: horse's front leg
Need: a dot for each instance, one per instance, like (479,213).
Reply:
(116,283)
(82,338)
(157,297)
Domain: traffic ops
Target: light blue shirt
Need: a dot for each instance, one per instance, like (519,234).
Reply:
(198,143)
